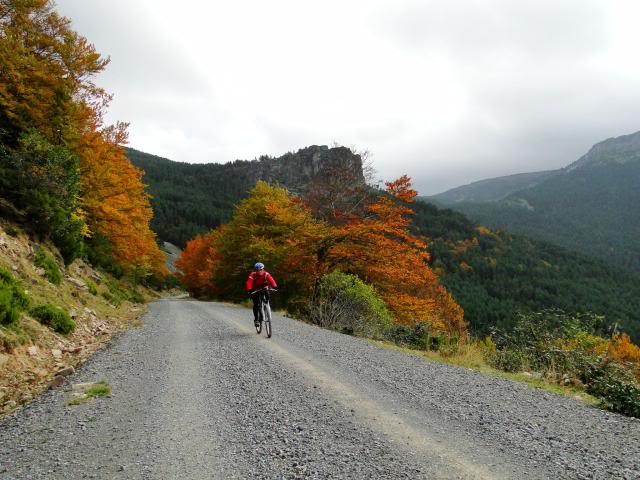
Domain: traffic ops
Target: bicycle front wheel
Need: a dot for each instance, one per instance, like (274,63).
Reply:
(259,324)
(267,319)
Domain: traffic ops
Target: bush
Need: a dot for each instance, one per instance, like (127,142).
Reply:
(345,303)
(565,347)
(93,289)
(118,294)
(54,317)
(136,297)
(12,299)
(614,386)
(50,266)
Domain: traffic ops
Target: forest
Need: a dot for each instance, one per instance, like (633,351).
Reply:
(491,274)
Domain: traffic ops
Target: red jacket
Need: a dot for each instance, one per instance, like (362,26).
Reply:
(257,280)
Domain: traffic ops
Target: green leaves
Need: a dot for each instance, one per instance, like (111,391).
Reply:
(12,299)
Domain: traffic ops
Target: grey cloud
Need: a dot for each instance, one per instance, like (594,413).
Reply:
(543,29)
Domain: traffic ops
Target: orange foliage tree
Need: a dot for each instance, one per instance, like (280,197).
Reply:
(116,203)
(274,228)
(46,72)
(379,248)
(197,265)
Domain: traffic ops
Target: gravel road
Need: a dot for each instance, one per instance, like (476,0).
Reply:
(198,395)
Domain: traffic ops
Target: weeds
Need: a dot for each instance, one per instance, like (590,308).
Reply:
(85,392)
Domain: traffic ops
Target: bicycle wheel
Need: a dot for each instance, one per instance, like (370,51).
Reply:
(267,319)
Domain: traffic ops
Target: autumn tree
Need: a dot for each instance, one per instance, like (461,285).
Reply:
(46,87)
(197,265)
(379,248)
(115,201)
(269,226)
(46,71)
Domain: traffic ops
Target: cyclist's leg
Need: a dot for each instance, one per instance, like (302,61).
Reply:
(256,307)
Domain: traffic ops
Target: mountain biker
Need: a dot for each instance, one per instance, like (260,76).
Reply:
(258,279)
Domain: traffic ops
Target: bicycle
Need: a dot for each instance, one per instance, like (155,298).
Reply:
(264,312)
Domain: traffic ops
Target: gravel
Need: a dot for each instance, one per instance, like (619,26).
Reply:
(197,394)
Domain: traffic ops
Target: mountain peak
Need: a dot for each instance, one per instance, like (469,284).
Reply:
(619,150)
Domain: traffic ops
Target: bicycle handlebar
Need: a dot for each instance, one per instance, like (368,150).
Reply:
(262,289)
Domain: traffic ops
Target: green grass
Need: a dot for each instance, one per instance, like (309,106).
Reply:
(98,389)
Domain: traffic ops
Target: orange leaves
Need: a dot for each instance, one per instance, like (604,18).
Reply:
(197,264)
(624,351)
(45,72)
(379,248)
(116,204)
(373,243)
(401,189)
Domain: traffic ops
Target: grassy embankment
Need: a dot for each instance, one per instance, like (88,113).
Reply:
(99,305)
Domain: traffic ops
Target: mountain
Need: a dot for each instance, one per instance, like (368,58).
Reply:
(188,199)
(491,190)
(591,206)
(491,274)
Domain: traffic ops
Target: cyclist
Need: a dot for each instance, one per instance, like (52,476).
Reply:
(258,279)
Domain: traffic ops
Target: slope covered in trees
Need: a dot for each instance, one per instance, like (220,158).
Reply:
(191,199)
(492,275)
(63,172)
(592,206)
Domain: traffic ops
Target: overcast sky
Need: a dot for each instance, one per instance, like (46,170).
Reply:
(446,91)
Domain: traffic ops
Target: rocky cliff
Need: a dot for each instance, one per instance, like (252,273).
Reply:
(193,198)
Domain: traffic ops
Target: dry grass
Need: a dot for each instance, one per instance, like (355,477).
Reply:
(24,374)
(472,357)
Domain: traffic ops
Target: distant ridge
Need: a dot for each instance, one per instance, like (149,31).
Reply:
(591,206)
(491,189)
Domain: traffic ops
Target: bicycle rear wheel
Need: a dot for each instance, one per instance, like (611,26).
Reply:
(267,319)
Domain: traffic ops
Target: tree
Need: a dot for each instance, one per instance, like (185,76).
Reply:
(45,73)
(197,264)
(270,226)
(379,248)
(115,201)
(44,181)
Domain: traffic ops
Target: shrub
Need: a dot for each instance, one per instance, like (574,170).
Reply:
(614,386)
(93,289)
(99,253)
(50,266)
(12,299)
(345,303)
(565,346)
(136,297)
(54,317)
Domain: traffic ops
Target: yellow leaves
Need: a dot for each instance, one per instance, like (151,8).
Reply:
(623,350)
(483,230)
(272,227)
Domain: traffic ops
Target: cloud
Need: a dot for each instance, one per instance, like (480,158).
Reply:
(446,91)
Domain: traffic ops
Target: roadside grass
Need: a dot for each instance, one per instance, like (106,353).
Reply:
(471,357)
(85,392)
